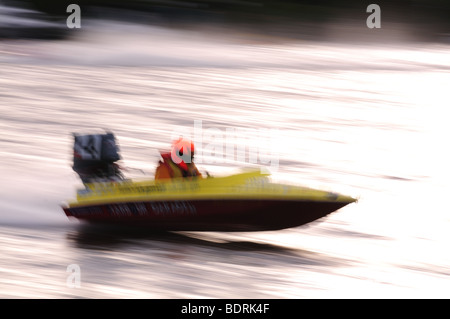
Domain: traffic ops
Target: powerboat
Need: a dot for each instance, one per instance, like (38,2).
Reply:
(248,201)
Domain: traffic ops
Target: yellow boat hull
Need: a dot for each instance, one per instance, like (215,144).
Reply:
(242,202)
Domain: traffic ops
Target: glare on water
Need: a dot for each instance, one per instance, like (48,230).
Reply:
(362,120)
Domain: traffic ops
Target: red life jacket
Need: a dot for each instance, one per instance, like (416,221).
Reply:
(172,166)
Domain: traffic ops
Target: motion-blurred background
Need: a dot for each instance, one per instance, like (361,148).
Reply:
(358,111)
(330,20)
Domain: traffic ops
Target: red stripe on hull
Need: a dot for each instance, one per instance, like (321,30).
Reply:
(208,215)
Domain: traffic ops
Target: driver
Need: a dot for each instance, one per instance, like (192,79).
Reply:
(179,162)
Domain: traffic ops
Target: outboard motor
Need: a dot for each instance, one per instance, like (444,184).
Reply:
(95,157)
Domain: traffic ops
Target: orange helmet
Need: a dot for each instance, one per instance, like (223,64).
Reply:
(182,150)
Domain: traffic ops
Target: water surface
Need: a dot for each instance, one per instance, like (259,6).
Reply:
(367,121)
